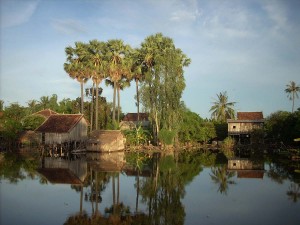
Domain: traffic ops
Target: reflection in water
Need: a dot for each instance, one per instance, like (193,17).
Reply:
(159,183)
(222,177)
(294,192)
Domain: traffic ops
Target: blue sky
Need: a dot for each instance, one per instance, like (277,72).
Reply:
(249,48)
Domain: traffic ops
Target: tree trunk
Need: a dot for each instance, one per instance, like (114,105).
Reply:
(137,99)
(97,107)
(114,103)
(92,107)
(81,87)
(118,103)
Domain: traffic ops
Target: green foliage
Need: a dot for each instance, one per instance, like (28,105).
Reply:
(137,136)
(32,122)
(257,136)
(194,129)
(163,83)
(221,130)
(166,136)
(283,126)
(222,109)
(227,147)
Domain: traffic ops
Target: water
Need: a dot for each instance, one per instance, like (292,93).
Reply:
(184,188)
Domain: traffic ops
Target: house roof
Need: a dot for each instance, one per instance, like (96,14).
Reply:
(60,123)
(134,117)
(59,176)
(250,116)
(46,113)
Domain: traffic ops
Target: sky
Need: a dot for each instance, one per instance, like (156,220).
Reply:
(248,48)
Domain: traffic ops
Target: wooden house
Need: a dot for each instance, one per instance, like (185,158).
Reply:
(245,123)
(131,121)
(246,168)
(64,128)
(62,171)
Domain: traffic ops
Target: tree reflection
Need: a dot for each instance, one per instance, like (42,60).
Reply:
(222,177)
(15,167)
(293,192)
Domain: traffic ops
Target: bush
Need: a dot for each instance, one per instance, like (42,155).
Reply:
(166,136)
(227,147)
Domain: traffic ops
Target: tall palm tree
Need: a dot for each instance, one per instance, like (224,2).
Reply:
(121,84)
(222,177)
(97,65)
(222,109)
(76,65)
(137,75)
(118,61)
(44,102)
(292,90)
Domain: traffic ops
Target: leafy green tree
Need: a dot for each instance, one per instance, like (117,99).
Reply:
(163,83)
(1,105)
(283,126)
(194,129)
(292,90)
(222,109)
(32,122)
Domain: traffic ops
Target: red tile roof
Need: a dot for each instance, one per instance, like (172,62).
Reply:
(46,113)
(250,116)
(60,123)
(134,117)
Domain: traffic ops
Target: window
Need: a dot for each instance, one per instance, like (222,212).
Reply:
(234,127)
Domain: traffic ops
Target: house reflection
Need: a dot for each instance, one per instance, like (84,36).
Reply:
(246,168)
(62,171)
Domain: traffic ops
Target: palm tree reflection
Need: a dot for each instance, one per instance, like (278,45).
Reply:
(222,177)
(293,192)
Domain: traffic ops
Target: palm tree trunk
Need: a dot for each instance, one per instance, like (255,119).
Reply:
(97,107)
(137,99)
(81,87)
(293,101)
(118,103)
(114,102)
(92,108)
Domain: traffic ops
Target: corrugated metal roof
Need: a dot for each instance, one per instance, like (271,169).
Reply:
(60,123)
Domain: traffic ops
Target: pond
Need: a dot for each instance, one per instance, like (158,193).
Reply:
(140,188)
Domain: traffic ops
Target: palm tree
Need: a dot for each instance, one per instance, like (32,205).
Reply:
(32,104)
(294,192)
(222,109)
(292,90)
(121,84)
(44,102)
(137,75)
(97,65)
(118,64)
(222,177)
(76,65)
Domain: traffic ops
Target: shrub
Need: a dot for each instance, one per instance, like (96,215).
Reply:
(166,136)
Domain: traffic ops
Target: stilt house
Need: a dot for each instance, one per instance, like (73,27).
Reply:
(245,123)
(63,128)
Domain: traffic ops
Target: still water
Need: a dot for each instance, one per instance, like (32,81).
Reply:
(139,188)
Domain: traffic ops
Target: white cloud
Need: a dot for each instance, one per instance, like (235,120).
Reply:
(68,26)
(14,13)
